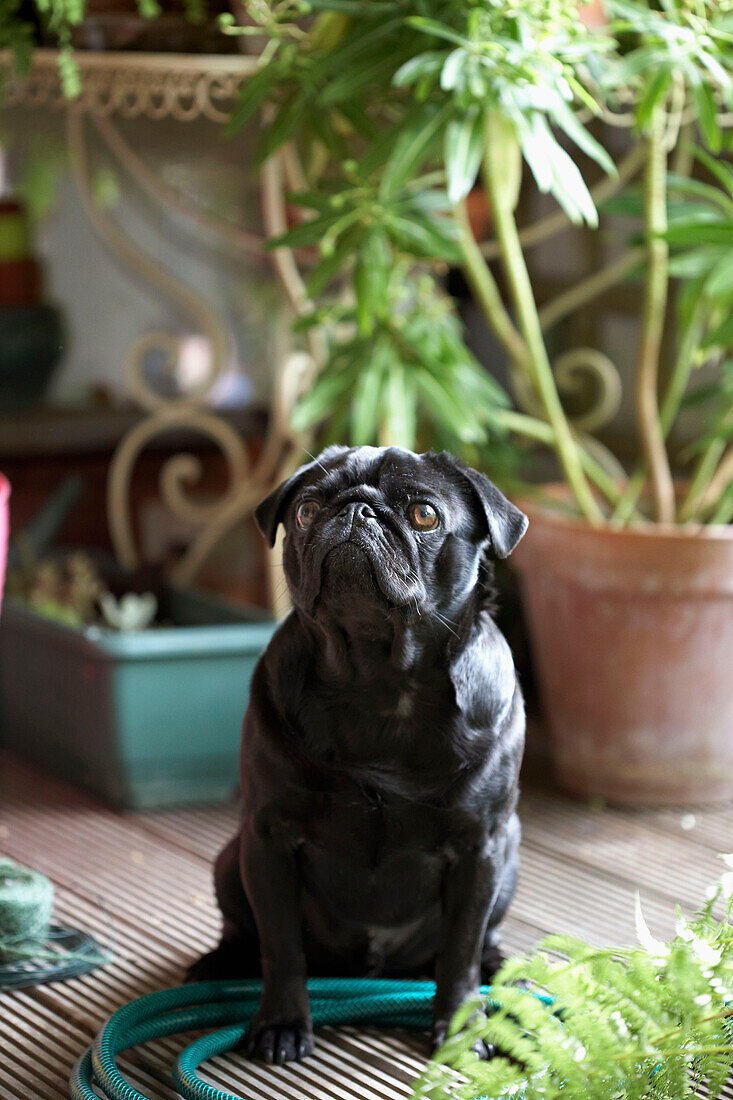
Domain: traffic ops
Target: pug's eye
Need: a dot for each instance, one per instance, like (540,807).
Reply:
(423,517)
(306,513)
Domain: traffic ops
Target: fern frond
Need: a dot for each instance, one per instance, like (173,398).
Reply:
(648,1022)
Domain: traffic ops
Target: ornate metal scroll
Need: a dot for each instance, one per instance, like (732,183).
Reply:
(183,87)
(179,88)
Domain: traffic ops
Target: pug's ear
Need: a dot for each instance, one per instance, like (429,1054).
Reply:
(505,524)
(269,513)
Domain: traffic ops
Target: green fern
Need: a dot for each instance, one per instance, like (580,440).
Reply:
(650,1022)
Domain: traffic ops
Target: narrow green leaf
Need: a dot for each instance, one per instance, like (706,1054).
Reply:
(371,279)
(721,336)
(315,200)
(653,94)
(283,126)
(357,79)
(464,142)
(447,410)
(400,413)
(307,233)
(335,263)
(252,96)
(702,233)
(425,64)
(360,47)
(437,30)
(720,281)
(366,403)
(411,147)
(420,237)
(720,169)
(582,138)
(717,197)
(317,404)
(707,116)
(354,7)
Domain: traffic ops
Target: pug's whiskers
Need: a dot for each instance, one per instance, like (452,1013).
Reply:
(446,623)
(318,461)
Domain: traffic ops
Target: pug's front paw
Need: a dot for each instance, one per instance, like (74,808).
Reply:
(281,1042)
(482,1049)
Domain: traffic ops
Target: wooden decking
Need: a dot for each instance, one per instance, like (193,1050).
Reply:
(143,881)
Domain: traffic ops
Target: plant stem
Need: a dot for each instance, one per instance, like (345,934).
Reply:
(500,152)
(724,512)
(558,222)
(670,407)
(589,288)
(655,304)
(725,1015)
(720,482)
(705,476)
(533,428)
(484,287)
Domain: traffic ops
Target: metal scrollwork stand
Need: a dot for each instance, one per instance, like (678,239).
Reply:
(183,88)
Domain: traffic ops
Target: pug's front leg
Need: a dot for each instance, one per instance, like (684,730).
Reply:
(282,1030)
(471,888)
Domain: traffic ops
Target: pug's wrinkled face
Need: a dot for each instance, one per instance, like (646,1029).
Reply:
(370,530)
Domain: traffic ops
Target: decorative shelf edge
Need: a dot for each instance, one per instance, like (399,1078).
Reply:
(183,87)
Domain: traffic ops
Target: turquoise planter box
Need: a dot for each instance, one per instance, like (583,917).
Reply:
(145,720)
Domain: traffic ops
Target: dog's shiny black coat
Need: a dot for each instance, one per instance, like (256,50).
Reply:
(381,746)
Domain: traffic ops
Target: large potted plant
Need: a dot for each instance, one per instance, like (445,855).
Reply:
(388,113)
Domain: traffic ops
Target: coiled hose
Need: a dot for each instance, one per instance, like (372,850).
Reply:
(229,1006)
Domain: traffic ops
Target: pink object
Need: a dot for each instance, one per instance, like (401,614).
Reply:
(4,528)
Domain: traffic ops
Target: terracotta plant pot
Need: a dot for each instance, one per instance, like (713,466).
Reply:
(632,636)
(20,282)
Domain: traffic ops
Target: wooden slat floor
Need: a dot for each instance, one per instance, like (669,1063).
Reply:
(144,882)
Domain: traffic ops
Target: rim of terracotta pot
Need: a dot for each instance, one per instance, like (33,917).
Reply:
(646,558)
(540,507)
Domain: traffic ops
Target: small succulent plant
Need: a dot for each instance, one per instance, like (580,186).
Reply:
(71,590)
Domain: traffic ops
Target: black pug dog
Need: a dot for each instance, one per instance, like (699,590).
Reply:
(381,745)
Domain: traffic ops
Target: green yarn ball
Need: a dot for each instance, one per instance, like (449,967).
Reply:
(26,905)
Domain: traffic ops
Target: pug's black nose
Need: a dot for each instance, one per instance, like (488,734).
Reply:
(358,510)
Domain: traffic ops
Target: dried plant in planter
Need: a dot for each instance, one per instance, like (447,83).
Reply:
(72,591)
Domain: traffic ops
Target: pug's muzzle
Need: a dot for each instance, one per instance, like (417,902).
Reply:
(353,550)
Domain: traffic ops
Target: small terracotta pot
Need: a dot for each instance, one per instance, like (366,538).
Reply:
(20,282)
(632,636)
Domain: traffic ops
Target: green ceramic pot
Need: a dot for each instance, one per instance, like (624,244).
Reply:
(144,720)
(31,343)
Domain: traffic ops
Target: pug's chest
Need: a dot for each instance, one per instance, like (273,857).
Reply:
(358,822)
(402,724)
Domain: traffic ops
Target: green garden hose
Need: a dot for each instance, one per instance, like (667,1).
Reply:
(229,1006)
